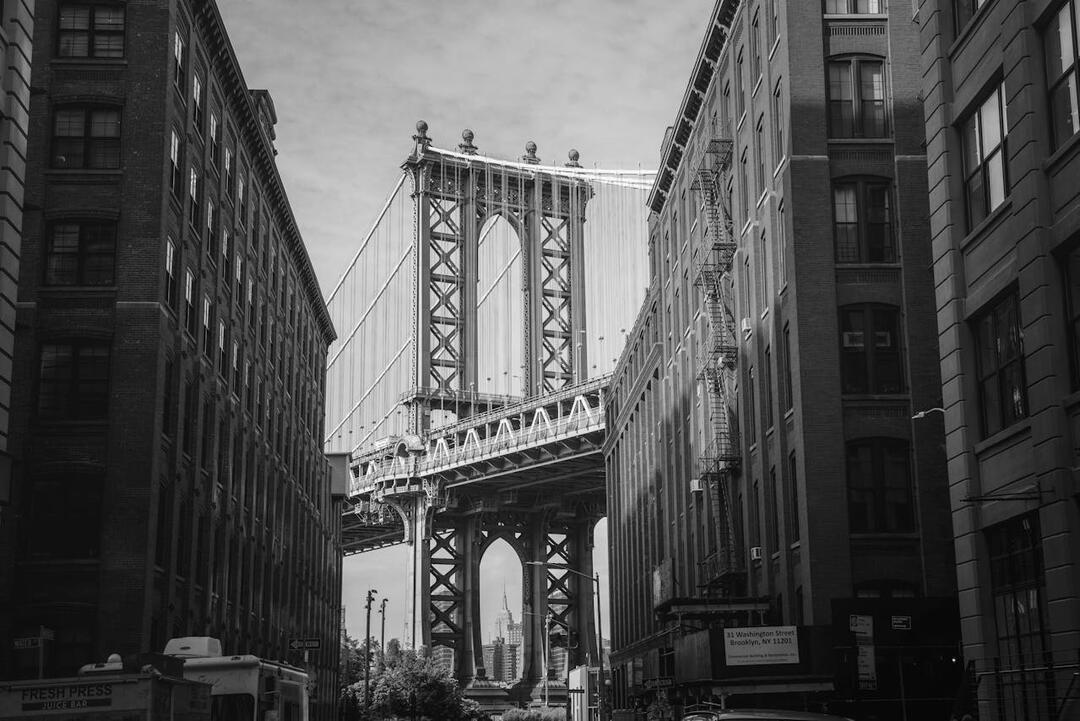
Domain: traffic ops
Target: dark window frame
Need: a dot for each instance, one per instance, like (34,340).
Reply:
(856,355)
(93,151)
(854,7)
(1001,365)
(964,11)
(71,390)
(885,508)
(858,125)
(1067,61)
(83,253)
(869,246)
(96,47)
(979,163)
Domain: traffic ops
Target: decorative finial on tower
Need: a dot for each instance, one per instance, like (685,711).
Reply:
(530,153)
(421,137)
(574,155)
(467,147)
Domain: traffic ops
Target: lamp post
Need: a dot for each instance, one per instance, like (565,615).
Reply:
(601,690)
(544,648)
(928,411)
(382,637)
(367,648)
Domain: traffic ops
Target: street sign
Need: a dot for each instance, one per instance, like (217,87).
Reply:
(901,623)
(660,682)
(21,644)
(305,644)
(46,634)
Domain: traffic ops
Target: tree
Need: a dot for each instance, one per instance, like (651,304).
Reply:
(352,660)
(410,686)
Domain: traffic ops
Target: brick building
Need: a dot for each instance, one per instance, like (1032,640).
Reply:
(16,44)
(169,373)
(764,467)
(1001,110)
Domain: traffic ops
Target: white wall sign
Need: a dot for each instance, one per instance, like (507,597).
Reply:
(761,645)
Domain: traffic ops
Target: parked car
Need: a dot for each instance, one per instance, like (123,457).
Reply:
(757,714)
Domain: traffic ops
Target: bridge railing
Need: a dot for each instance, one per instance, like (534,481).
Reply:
(462,443)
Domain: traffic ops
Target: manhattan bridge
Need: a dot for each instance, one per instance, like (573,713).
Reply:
(479,322)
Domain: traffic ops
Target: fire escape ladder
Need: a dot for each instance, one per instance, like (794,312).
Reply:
(718,359)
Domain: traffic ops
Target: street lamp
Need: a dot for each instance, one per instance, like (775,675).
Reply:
(923,414)
(367,648)
(601,691)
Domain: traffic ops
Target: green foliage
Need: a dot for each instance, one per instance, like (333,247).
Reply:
(409,685)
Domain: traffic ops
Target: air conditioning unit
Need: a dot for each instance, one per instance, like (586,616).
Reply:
(852,339)
(697,485)
(747,327)
(755,553)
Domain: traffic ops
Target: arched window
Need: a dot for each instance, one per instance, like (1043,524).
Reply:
(870,349)
(857,97)
(879,486)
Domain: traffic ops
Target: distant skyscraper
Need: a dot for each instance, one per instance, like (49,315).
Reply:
(510,632)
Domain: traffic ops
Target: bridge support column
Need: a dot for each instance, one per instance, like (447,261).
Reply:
(417,571)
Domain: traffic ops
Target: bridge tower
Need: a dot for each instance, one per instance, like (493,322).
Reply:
(449,527)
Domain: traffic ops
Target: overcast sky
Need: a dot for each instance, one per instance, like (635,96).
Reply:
(349,80)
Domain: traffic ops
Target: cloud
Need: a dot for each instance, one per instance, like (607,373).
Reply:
(350,79)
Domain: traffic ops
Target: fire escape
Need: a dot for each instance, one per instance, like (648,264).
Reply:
(725,568)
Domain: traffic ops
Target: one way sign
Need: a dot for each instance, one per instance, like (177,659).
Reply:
(305,644)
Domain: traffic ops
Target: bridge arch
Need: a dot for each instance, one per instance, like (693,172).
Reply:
(500,311)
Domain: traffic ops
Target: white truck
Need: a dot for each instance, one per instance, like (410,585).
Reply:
(243,687)
(104,692)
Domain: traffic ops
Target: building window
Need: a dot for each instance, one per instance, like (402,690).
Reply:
(986,174)
(211,230)
(86,137)
(793,499)
(228,171)
(179,62)
(1059,42)
(1002,389)
(80,254)
(759,152)
(744,187)
(751,401)
(764,291)
(194,209)
(879,486)
(767,396)
(772,21)
(225,256)
(64,519)
(1018,587)
(207,326)
(740,93)
(90,31)
(197,114)
(223,344)
(239,281)
(857,98)
(755,46)
(853,7)
(870,349)
(215,140)
(862,222)
(74,380)
(1072,297)
(176,165)
(189,303)
(779,150)
(781,243)
(241,199)
(965,10)
(171,276)
(789,394)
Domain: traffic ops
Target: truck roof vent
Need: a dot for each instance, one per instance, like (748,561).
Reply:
(193,647)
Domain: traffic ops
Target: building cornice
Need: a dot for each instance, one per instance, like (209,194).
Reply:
(235,87)
(671,153)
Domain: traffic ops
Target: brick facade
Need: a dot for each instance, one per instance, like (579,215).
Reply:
(798,553)
(192,497)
